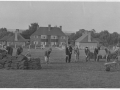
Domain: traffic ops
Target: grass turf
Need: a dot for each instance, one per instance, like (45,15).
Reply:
(59,74)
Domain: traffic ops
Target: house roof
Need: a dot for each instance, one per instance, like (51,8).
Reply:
(84,38)
(19,37)
(81,39)
(6,37)
(45,31)
(12,38)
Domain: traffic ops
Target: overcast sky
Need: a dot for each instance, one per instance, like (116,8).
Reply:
(72,16)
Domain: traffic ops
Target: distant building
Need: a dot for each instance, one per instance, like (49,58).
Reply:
(48,36)
(14,39)
(87,41)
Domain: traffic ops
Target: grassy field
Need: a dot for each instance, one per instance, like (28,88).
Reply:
(59,74)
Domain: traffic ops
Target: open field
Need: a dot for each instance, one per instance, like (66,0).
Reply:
(59,74)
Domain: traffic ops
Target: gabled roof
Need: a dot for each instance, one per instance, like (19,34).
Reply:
(45,31)
(19,37)
(85,37)
(11,38)
(6,37)
(80,39)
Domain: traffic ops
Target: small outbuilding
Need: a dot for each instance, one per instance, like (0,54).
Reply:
(86,40)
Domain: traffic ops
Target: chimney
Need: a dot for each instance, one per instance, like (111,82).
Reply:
(49,26)
(60,27)
(16,34)
(89,36)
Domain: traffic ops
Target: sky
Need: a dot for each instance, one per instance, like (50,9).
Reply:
(71,15)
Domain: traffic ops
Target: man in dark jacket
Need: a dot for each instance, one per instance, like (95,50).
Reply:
(87,52)
(67,53)
(9,50)
(19,50)
(70,50)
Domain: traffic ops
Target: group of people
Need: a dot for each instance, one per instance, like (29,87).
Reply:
(9,50)
(68,51)
(77,53)
(87,52)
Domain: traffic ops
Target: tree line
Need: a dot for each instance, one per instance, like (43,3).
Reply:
(105,36)
(26,33)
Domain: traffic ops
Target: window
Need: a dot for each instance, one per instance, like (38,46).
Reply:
(53,43)
(35,42)
(43,43)
(43,36)
(53,37)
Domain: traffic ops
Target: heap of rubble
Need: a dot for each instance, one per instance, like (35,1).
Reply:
(18,62)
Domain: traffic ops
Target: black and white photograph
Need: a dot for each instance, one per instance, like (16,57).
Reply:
(60,44)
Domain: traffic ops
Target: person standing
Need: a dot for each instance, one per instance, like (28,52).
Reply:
(70,53)
(107,54)
(76,52)
(47,55)
(87,52)
(9,50)
(96,54)
(67,53)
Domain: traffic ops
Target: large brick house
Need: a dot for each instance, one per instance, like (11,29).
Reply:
(48,36)
(86,40)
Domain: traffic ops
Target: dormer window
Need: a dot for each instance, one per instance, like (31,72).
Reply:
(43,36)
(54,37)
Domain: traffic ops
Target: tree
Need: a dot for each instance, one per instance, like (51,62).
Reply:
(4,32)
(32,28)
